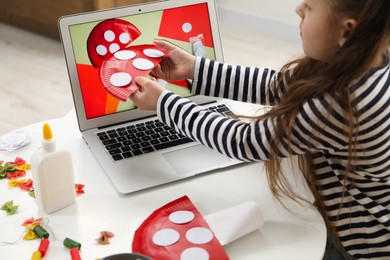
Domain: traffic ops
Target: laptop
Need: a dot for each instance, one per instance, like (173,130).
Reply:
(135,150)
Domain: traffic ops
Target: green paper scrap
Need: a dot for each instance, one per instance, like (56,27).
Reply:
(8,167)
(9,207)
(31,192)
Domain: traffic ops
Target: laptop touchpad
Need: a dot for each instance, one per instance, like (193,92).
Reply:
(195,159)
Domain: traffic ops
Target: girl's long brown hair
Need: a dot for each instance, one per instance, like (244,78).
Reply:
(311,79)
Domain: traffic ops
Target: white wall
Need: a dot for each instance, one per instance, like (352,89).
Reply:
(270,16)
(278,9)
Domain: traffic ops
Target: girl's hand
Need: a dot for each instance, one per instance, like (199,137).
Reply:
(148,93)
(178,65)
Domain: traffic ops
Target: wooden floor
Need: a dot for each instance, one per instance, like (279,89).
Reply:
(34,83)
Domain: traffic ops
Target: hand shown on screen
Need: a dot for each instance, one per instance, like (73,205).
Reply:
(178,65)
(148,93)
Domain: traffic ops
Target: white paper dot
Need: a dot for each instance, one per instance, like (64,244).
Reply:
(186,27)
(120,79)
(166,237)
(109,35)
(181,216)
(124,38)
(114,47)
(101,50)
(199,235)
(143,64)
(194,253)
(125,55)
(153,53)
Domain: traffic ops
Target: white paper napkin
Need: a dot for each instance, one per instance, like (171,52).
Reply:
(235,222)
(14,140)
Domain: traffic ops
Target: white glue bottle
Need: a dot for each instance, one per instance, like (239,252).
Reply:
(52,173)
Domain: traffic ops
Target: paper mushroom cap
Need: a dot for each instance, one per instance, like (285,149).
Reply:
(177,231)
(110,50)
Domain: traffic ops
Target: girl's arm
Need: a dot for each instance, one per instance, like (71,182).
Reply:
(234,138)
(210,78)
(247,84)
(319,126)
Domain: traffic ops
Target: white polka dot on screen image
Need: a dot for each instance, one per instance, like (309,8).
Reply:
(114,47)
(124,38)
(153,53)
(143,64)
(125,55)
(186,27)
(181,217)
(109,35)
(166,237)
(101,50)
(120,79)
(194,253)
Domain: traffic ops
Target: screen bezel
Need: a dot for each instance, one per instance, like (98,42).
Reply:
(66,21)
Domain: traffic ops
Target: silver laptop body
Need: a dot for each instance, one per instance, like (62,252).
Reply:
(181,22)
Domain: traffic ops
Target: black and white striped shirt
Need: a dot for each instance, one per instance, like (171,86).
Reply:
(364,219)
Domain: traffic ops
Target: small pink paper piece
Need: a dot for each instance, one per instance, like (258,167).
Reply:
(33,221)
(104,238)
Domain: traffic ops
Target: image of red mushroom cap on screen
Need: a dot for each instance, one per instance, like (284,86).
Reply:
(177,230)
(110,51)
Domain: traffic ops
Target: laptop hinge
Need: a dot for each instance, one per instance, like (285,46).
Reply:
(145,117)
(127,122)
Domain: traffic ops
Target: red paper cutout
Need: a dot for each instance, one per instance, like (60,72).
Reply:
(15,174)
(159,220)
(26,185)
(108,38)
(174,21)
(99,37)
(113,65)
(79,188)
(19,161)
(94,98)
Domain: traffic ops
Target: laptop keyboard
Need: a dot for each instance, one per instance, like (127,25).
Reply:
(146,137)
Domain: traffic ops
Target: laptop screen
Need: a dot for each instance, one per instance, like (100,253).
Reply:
(188,27)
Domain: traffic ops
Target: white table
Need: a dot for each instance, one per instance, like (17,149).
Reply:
(297,233)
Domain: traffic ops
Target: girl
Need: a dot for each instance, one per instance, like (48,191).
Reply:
(330,108)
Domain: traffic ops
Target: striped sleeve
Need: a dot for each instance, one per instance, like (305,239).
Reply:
(246,84)
(250,141)
(239,139)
